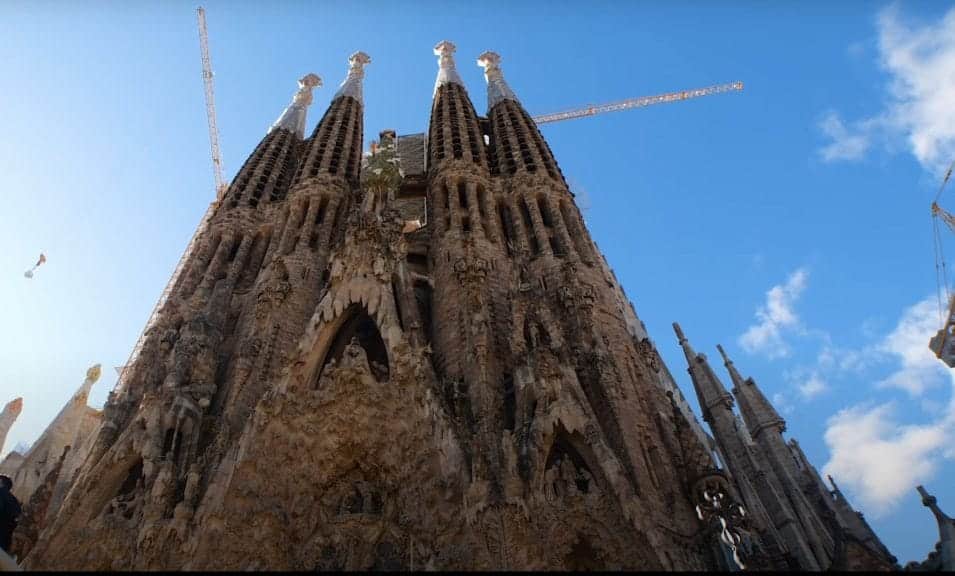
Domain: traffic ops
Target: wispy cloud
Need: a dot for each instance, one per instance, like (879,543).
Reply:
(880,458)
(844,144)
(919,369)
(781,403)
(775,317)
(920,62)
(813,387)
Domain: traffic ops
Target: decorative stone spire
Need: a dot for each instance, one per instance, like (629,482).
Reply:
(44,453)
(734,374)
(293,117)
(8,416)
(356,73)
(497,88)
(447,72)
(946,531)
(757,411)
(709,389)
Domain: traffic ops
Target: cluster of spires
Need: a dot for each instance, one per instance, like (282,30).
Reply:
(293,117)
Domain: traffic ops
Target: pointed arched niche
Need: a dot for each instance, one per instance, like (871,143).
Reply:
(570,461)
(357,328)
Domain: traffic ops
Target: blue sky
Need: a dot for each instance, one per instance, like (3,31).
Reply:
(789,222)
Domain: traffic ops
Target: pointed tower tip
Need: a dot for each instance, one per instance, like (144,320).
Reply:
(726,359)
(444,48)
(310,80)
(94,372)
(352,85)
(679,332)
(14,406)
(489,60)
(293,117)
(497,88)
(447,72)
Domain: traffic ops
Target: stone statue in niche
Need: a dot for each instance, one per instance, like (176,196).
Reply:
(523,282)
(568,477)
(566,296)
(551,490)
(649,354)
(533,334)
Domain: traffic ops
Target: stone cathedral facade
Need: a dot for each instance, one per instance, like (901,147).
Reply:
(417,358)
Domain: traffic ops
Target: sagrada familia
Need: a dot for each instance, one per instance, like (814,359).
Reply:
(416,358)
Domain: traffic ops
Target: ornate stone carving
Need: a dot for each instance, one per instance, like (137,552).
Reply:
(471,271)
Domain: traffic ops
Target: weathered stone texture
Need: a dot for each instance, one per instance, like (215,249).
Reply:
(415,359)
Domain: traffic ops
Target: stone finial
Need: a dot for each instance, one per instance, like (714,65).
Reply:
(928,500)
(293,117)
(447,72)
(93,373)
(679,332)
(497,88)
(352,85)
(726,359)
(946,531)
(14,406)
(835,487)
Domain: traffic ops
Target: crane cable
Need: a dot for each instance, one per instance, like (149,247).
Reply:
(941,274)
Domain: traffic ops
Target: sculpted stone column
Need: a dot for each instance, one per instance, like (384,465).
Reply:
(9,415)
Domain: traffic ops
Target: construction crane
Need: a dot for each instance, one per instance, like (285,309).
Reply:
(943,343)
(210,102)
(221,188)
(637,102)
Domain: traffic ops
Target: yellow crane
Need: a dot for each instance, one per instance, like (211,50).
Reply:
(637,102)
(221,188)
(943,343)
(210,102)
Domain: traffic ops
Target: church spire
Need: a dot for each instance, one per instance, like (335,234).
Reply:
(497,88)
(709,389)
(731,368)
(8,416)
(447,72)
(352,85)
(336,144)
(756,409)
(946,530)
(293,117)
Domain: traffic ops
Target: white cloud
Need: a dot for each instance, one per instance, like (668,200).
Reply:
(845,144)
(781,403)
(870,451)
(920,61)
(813,387)
(880,459)
(908,343)
(775,317)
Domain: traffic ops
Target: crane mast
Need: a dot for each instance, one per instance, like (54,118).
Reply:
(943,343)
(637,102)
(221,188)
(210,102)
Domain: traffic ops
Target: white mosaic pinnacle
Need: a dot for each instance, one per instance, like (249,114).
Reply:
(352,85)
(497,88)
(447,72)
(293,117)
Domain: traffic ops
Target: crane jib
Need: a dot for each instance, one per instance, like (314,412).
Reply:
(637,102)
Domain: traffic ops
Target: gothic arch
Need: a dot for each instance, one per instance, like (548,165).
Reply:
(354,324)
(573,446)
